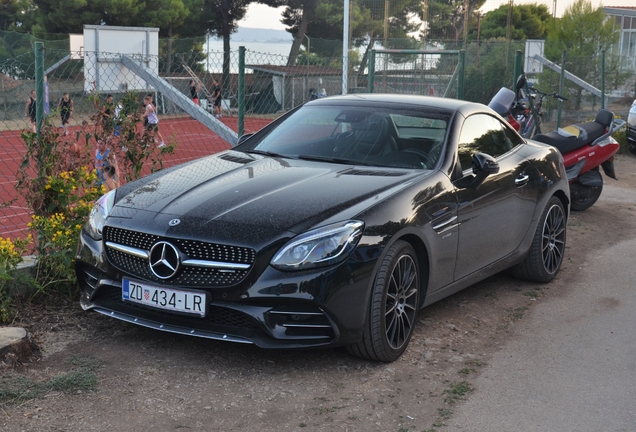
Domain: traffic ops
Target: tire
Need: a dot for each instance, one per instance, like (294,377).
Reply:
(548,246)
(584,197)
(394,306)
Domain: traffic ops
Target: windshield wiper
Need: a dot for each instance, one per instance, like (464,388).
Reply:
(265,153)
(335,160)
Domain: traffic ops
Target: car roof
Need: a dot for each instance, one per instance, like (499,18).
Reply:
(462,106)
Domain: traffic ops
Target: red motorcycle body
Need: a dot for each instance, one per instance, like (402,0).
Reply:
(592,155)
(585,147)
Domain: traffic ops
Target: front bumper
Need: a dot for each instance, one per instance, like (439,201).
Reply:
(271,310)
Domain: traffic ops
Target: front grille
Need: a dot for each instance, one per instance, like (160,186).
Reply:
(110,297)
(130,238)
(188,276)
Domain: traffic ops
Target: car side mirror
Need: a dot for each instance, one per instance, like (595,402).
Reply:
(244,138)
(483,165)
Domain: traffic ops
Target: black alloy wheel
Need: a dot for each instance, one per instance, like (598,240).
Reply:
(394,306)
(548,246)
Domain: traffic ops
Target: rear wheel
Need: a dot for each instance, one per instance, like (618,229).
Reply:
(394,306)
(546,252)
(583,197)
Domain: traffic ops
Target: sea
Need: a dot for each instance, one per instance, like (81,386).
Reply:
(261,45)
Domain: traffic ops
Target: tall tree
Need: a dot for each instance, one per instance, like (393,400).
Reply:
(168,15)
(446,18)
(297,16)
(528,21)
(225,22)
(583,32)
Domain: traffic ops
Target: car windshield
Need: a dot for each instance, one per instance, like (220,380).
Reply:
(407,137)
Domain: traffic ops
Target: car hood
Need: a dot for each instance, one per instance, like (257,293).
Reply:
(266,193)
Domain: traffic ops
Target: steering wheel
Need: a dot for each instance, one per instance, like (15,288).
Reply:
(425,159)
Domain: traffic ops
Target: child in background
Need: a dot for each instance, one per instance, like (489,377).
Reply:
(151,121)
(111,178)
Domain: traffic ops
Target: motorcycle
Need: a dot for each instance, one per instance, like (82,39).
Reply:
(584,146)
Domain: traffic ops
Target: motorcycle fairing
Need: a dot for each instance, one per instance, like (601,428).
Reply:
(608,168)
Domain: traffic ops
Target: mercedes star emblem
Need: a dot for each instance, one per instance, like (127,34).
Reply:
(164,260)
(174,222)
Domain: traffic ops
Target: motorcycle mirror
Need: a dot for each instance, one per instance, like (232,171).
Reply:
(521,82)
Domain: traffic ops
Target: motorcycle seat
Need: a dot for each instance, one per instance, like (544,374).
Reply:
(588,133)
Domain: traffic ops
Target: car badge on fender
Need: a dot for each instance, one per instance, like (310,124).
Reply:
(174,222)
(164,260)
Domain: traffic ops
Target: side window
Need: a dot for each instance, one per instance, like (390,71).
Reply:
(485,134)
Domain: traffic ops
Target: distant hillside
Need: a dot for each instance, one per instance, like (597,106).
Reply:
(246,34)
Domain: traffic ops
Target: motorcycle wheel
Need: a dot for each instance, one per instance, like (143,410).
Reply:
(584,197)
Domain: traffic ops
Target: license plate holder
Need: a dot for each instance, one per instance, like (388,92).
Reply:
(175,300)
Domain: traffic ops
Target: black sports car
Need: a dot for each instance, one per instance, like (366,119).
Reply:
(331,226)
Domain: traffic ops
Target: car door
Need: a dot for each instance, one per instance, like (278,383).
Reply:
(494,217)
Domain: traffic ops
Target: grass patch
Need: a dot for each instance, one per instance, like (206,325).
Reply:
(475,362)
(327,410)
(518,313)
(533,294)
(444,413)
(457,391)
(81,378)
(466,371)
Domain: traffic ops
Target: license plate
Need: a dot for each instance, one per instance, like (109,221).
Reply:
(164,298)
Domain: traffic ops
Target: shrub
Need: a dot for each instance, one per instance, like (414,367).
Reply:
(11,253)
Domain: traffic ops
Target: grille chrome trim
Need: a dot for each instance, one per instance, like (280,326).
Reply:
(214,264)
(139,253)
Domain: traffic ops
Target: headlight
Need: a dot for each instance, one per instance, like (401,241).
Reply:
(321,247)
(99,213)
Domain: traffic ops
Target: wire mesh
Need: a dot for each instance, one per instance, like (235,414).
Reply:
(272,87)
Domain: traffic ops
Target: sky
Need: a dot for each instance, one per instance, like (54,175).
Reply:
(262,16)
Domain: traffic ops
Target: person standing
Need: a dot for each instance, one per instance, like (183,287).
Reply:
(194,92)
(105,120)
(216,94)
(103,158)
(30,110)
(111,178)
(152,121)
(65,106)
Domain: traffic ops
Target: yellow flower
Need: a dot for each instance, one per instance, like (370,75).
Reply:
(48,186)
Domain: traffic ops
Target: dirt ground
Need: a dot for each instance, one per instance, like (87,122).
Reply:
(153,381)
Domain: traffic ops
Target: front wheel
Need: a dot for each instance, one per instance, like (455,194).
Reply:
(583,197)
(394,306)
(546,252)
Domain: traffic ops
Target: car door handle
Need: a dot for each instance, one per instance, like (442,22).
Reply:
(522,180)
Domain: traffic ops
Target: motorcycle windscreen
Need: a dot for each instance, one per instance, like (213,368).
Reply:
(502,101)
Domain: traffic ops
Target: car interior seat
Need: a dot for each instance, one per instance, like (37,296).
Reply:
(371,139)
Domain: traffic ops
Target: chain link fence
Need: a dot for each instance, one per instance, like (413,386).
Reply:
(271,87)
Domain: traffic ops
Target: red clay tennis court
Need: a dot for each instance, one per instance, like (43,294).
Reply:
(193,141)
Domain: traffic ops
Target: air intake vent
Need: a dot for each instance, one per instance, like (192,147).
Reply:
(236,159)
(377,173)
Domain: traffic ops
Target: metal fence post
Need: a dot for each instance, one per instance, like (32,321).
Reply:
(241,91)
(518,68)
(602,79)
(462,74)
(561,84)
(39,86)
(371,72)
